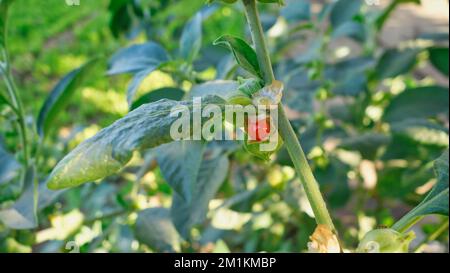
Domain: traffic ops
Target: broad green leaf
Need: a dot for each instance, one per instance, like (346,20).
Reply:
(180,163)
(9,167)
(439,58)
(137,58)
(170,93)
(60,96)
(368,144)
(421,102)
(154,228)
(422,131)
(107,152)
(223,89)
(245,55)
(210,177)
(191,39)
(344,11)
(395,62)
(138,78)
(195,172)
(349,76)
(22,214)
(4,6)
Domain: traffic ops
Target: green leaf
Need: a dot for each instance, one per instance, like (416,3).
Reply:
(368,144)
(195,172)
(279,2)
(170,93)
(436,201)
(154,228)
(4,6)
(223,89)
(422,131)
(9,167)
(245,55)
(344,11)
(180,163)
(108,151)
(439,59)
(421,102)
(395,62)
(350,29)
(140,60)
(297,10)
(22,214)
(60,96)
(384,15)
(136,58)
(191,39)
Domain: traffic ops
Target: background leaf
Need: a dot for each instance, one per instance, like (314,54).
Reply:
(191,39)
(60,96)
(421,102)
(154,228)
(439,59)
(140,60)
(344,11)
(22,214)
(9,167)
(245,55)
(395,62)
(170,93)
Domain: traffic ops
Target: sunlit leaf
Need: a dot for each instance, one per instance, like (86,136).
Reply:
(61,95)
(367,144)
(421,131)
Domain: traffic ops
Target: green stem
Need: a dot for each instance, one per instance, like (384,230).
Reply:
(18,109)
(286,131)
(433,236)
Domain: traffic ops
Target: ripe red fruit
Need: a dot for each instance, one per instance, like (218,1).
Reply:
(258,129)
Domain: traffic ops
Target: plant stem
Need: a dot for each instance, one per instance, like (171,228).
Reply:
(285,128)
(433,236)
(18,109)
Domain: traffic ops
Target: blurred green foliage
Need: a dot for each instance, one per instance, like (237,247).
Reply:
(370,119)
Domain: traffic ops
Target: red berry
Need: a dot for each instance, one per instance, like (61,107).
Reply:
(258,129)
